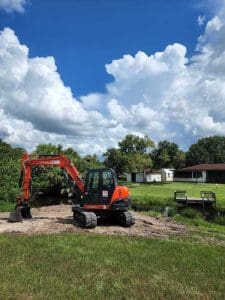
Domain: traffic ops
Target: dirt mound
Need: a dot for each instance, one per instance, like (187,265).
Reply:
(58,219)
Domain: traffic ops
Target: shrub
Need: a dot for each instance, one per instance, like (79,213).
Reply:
(172,211)
(220,220)
(190,213)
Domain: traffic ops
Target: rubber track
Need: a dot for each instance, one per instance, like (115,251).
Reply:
(126,219)
(85,219)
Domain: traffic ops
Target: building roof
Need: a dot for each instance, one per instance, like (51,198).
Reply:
(204,167)
(151,171)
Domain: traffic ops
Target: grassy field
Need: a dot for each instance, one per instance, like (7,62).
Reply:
(162,194)
(90,266)
(107,267)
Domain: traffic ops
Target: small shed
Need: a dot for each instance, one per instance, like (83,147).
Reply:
(153,176)
(167,175)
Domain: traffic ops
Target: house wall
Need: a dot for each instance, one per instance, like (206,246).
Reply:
(138,177)
(129,177)
(188,179)
(216,176)
(201,179)
(151,177)
(204,176)
(167,175)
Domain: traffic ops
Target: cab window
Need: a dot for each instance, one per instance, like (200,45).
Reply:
(107,178)
(93,180)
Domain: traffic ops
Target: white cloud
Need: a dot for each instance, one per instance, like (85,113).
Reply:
(13,5)
(35,104)
(201,20)
(168,96)
(165,95)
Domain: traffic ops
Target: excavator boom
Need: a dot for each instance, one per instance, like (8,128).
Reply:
(60,161)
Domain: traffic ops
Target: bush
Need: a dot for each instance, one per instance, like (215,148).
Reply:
(172,211)
(220,220)
(190,213)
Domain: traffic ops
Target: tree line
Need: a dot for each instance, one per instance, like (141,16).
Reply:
(133,154)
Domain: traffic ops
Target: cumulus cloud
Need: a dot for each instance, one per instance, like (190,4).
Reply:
(165,95)
(13,5)
(37,107)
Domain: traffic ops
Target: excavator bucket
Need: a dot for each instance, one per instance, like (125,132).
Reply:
(20,213)
(16,215)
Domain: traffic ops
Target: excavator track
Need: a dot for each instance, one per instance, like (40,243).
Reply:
(85,219)
(126,219)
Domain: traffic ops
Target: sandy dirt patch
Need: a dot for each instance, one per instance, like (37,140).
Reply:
(58,219)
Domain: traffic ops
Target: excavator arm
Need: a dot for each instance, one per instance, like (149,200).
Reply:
(22,209)
(60,161)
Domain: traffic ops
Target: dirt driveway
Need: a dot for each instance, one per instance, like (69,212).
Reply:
(58,219)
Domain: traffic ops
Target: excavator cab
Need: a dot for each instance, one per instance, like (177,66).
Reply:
(103,198)
(99,186)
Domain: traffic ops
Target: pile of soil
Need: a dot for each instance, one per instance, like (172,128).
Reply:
(58,219)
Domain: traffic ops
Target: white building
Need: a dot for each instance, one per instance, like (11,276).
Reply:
(154,176)
(167,175)
(149,175)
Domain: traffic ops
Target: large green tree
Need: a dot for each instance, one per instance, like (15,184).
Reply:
(207,150)
(117,160)
(132,154)
(135,144)
(168,155)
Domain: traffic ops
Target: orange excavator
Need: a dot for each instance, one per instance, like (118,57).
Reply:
(99,195)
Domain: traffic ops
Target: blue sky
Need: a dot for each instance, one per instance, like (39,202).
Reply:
(85,73)
(84,35)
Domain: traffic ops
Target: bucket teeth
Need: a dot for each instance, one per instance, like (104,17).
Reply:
(16,215)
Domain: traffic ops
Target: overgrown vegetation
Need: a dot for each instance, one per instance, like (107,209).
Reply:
(9,171)
(43,177)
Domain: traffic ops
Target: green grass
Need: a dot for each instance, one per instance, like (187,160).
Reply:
(6,206)
(162,194)
(154,197)
(89,266)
